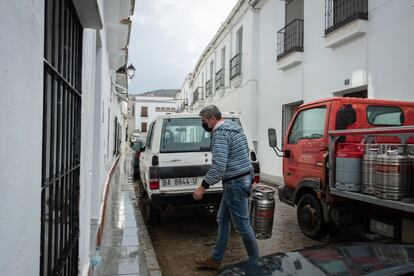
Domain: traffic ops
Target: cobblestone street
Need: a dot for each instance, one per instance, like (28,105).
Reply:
(187,233)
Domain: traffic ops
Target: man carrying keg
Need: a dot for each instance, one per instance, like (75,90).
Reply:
(231,165)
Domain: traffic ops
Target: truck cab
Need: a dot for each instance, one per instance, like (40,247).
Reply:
(306,156)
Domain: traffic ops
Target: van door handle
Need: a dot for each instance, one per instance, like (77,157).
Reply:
(319,164)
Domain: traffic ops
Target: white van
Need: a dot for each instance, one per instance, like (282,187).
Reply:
(175,160)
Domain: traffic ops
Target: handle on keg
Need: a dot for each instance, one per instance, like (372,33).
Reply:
(258,195)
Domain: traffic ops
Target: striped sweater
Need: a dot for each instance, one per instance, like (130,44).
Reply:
(230,154)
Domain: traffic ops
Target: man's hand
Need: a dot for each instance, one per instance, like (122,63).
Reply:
(198,193)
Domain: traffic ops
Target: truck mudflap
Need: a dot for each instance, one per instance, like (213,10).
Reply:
(286,195)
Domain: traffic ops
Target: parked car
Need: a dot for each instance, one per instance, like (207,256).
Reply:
(135,136)
(175,159)
(136,146)
(338,259)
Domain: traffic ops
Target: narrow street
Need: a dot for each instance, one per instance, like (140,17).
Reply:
(187,233)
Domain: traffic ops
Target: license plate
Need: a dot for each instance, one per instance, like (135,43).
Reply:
(179,181)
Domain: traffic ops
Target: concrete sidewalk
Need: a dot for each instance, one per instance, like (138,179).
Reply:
(126,247)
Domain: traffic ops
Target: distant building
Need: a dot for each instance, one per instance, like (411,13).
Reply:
(151,104)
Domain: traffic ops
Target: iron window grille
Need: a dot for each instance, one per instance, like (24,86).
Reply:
(290,39)
(220,79)
(235,66)
(196,96)
(61,147)
(341,12)
(209,88)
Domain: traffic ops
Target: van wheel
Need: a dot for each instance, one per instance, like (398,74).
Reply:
(310,217)
(153,212)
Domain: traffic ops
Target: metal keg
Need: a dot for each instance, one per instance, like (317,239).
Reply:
(368,168)
(391,173)
(410,150)
(261,209)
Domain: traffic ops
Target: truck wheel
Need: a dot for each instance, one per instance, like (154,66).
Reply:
(154,214)
(310,217)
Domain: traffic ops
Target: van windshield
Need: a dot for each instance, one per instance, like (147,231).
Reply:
(185,135)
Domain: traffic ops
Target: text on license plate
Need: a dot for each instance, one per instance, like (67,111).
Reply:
(179,181)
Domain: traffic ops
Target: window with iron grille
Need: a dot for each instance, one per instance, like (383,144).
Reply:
(144,111)
(235,66)
(59,233)
(338,13)
(209,88)
(288,110)
(220,79)
(290,39)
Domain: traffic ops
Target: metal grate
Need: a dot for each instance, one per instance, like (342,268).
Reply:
(290,38)
(340,12)
(220,78)
(62,99)
(235,66)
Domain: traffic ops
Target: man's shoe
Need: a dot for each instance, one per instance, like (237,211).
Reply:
(207,263)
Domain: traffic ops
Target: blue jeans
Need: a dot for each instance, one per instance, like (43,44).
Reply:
(234,208)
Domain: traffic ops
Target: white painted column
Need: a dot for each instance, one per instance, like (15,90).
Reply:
(88,91)
(21,112)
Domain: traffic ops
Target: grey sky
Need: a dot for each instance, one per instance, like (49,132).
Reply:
(168,37)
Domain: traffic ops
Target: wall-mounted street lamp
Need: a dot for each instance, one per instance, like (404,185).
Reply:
(131,71)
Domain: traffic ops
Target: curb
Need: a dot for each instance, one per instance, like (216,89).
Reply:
(151,261)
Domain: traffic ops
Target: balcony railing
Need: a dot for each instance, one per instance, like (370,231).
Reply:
(235,66)
(196,96)
(209,88)
(220,78)
(341,12)
(290,38)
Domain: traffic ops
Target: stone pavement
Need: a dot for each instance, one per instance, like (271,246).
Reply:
(125,248)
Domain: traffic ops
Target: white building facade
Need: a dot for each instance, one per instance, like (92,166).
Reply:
(149,107)
(278,54)
(64,95)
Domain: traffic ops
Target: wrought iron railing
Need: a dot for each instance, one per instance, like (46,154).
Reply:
(220,78)
(62,100)
(196,96)
(340,12)
(209,88)
(235,66)
(290,38)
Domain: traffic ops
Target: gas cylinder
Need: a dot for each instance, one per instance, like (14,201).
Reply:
(410,150)
(348,166)
(261,209)
(368,168)
(391,173)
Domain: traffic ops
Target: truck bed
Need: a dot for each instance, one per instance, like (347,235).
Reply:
(404,133)
(399,205)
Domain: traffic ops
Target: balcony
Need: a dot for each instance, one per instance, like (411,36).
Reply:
(290,39)
(338,13)
(220,79)
(209,88)
(196,96)
(235,66)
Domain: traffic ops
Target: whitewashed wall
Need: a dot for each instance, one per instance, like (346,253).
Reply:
(21,107)
(382,60)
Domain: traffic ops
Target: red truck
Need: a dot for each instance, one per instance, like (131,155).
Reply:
(309,165)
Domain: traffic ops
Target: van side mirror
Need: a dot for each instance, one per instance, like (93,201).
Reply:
(272,137)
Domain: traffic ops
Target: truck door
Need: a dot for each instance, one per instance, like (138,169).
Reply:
(305,145)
